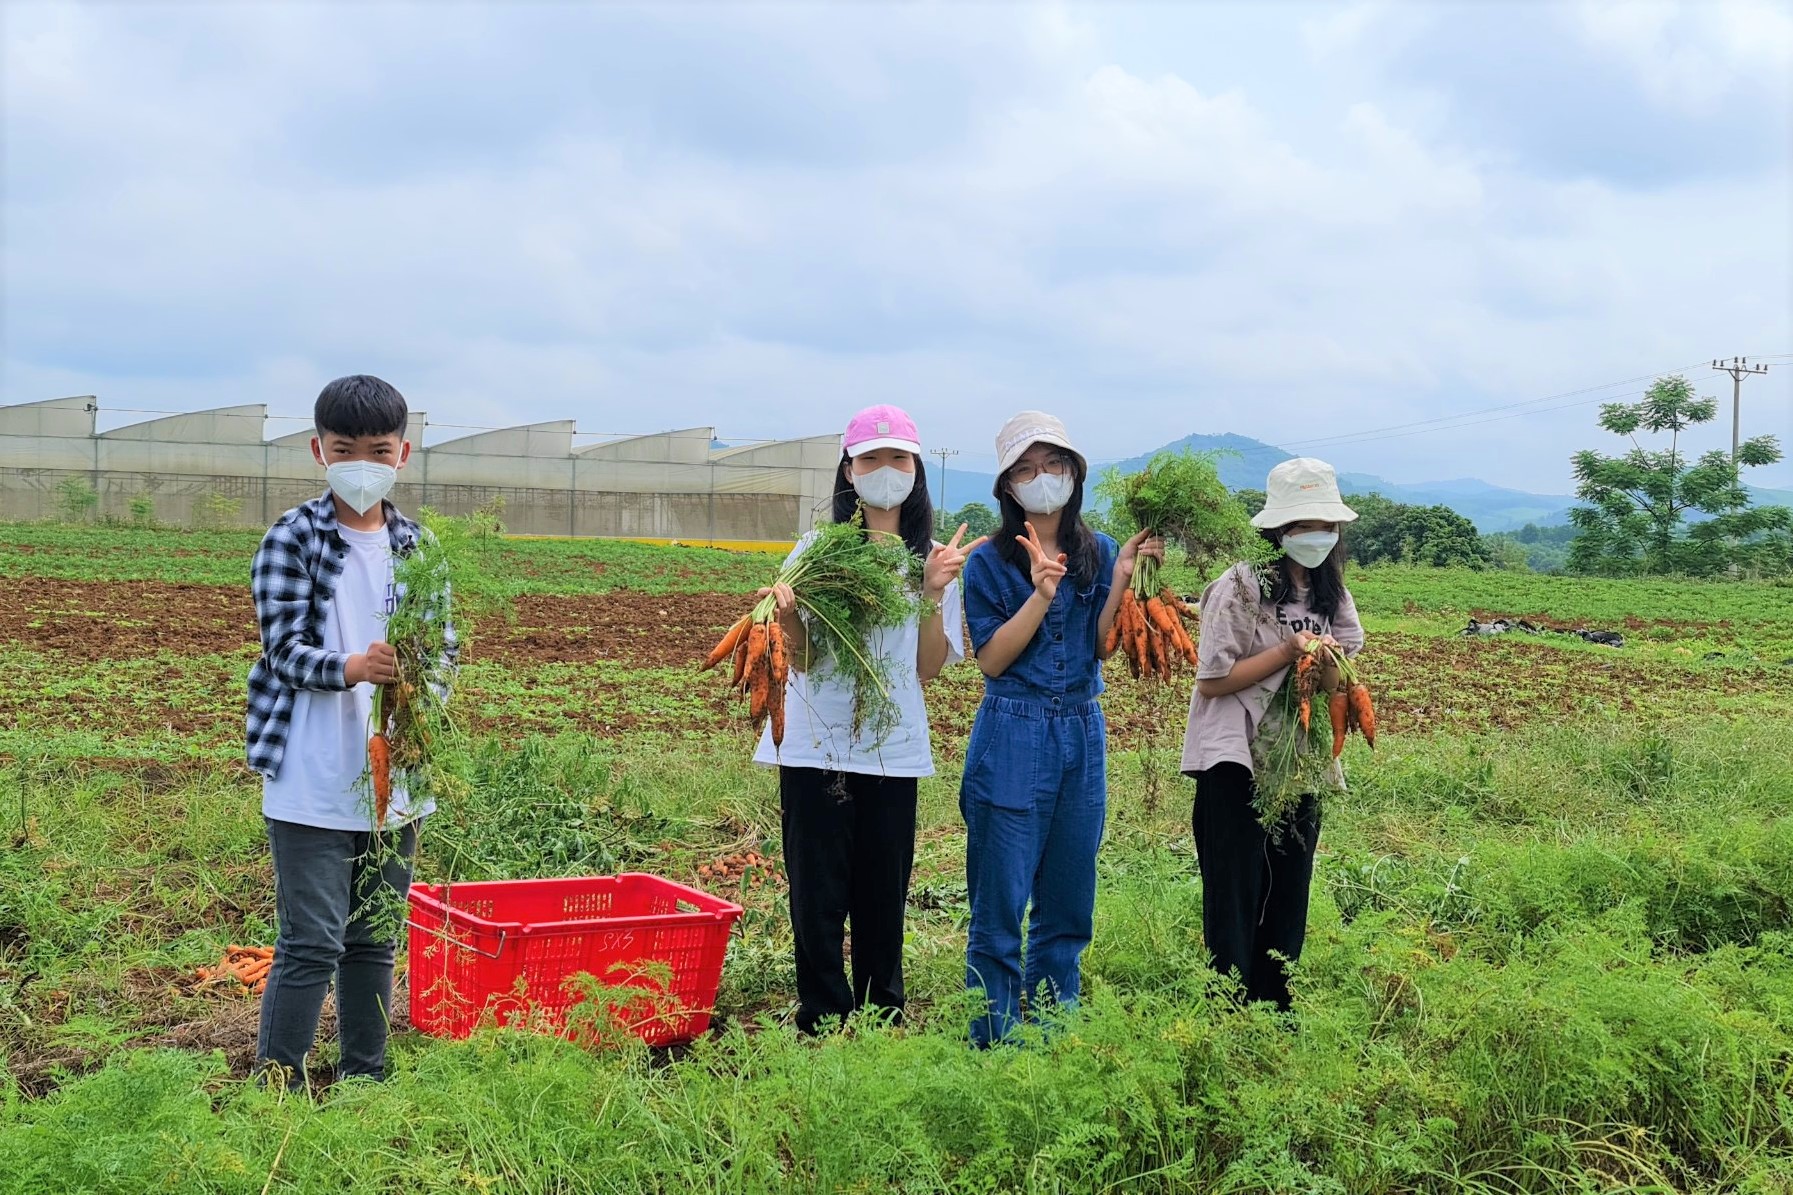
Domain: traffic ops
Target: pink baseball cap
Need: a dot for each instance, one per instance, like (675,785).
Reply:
(881,427)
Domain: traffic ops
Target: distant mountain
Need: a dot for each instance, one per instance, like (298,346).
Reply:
(1761,497)
(1491,508)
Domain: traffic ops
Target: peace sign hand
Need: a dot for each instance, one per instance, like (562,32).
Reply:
(946,561)
(1046,572)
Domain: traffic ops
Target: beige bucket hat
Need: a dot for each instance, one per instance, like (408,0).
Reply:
(1027,429)
(1302,490)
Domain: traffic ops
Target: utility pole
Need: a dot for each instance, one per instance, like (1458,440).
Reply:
(1739,368)
(942,453)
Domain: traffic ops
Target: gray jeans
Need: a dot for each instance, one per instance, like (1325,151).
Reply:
(329,895)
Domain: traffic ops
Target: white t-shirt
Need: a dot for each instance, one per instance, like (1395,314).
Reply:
(818,706)
(320,780)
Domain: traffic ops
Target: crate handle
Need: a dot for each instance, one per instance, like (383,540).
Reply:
(436,933)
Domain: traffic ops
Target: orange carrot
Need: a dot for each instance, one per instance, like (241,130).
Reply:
(759,674)
(726,647)
(379,764)
(1364,712)
(780,668)
(1185,644)
(1339,707)
(739,681)
(1114,628)
(781,660)
(1161,619)
(1307,714)
(1154,661)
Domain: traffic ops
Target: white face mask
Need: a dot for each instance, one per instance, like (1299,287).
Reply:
(884,488)
(1045,494)
(361,484)
(1311,548)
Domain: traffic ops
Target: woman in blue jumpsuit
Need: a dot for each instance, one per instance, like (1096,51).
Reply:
(1039,599)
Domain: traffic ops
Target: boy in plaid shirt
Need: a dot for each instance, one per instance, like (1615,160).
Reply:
(324,586)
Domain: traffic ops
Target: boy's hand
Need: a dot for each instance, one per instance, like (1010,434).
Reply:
(377,665)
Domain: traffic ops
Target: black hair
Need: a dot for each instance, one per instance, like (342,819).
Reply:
(1075,539)
(915,517)
(360,405)
(1325,583)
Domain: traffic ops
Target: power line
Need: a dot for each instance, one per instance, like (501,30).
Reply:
(1739,368)
(943,453)
(1445,421)
(1465,419)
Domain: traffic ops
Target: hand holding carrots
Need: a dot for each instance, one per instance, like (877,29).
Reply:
(1304,642)
(784,607)
(1046,573)
(377,665)
(946,561)
(1143,544)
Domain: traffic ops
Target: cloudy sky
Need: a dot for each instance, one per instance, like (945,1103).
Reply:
(1313,224)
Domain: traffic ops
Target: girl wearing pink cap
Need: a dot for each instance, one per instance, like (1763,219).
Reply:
(849,803)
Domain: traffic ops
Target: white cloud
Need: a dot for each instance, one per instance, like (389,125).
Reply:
(780,216)
(1693,56)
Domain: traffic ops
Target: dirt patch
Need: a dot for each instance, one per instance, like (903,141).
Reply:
(646,630)
(94,620)
(114,620)
(177,1010)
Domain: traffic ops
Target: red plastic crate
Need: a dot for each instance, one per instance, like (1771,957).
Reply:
(505,951)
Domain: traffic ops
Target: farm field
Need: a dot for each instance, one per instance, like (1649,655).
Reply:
(1551,945)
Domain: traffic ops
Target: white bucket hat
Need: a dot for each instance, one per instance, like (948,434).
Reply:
(1023,432)
(1300,491)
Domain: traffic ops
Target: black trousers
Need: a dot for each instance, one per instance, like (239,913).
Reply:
(1254,891)
(849,847)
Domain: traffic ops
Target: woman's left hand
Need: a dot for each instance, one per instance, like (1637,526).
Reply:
(1143,544)
(945,563)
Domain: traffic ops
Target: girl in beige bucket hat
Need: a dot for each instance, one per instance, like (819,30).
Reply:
(1039,599)
(1254,882)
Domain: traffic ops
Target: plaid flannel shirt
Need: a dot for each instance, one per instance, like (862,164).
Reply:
(293,579)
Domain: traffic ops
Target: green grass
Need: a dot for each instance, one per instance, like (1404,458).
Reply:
(1536,960)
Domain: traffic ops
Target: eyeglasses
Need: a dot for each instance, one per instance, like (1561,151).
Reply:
(1026,471)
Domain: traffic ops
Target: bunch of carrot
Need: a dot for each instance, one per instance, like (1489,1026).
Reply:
(847,584)
(762,668)
(249,965)
(1325,670)
(1295,754)
(1149,629)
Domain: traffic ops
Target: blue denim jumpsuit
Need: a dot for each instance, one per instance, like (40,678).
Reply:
(1035,791)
